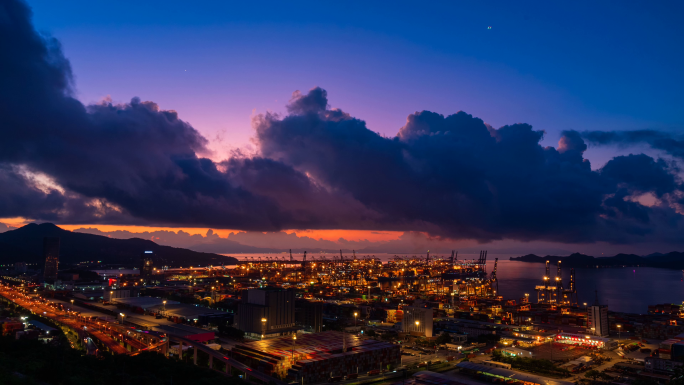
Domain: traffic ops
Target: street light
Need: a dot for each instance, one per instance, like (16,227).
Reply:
(355,314)
(294,339)
(619,328)
(122,317)
(263,327)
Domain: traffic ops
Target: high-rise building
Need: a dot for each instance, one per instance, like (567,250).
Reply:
(146,264)
(267,312)
(20,267)
(51,255)
(309,315)
(597,318)
(417,320)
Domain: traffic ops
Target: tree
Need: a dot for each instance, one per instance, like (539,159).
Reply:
(593,374)
(231,332)
(370,333)
(605,377)
(32,362)
(488,338)
(389,336)
(645,381)
(678,376)
(443,338)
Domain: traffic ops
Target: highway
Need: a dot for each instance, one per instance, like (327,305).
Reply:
(112,335)
(109,333)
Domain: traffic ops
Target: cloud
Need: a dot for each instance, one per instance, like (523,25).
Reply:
(453,176)
(642,173)
(209,243)
(134,157)
(456,177)
(237,242)
(659,140)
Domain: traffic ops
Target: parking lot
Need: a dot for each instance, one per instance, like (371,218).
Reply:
(558,352)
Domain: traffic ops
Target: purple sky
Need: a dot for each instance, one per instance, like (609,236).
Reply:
(582,74)
(598,67)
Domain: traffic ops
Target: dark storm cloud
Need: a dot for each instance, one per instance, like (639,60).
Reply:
(21,195)
(457,177)
(19,198)
(136,157)
(642,173)
(451,176)
(664,141)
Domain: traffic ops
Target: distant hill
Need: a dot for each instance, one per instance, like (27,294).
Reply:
(26,244)
(672,260)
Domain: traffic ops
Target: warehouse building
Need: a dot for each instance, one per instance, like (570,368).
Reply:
(586,341)
(317,357)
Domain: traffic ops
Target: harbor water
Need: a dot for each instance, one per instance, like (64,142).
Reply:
(623,289)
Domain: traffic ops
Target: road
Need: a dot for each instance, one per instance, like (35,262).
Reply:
(439,355)
(109,333)
(577,376)
(127,313)
(614,359)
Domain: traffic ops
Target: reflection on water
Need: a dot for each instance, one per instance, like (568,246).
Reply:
(624,289)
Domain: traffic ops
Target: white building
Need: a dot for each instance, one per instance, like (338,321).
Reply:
(515,352)
(598,319)
(417,320)
(112,295)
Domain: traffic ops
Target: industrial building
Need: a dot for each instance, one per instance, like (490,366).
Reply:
(417,321)
(586,340)
(146,264)
(309,315)
(317,357)
(111,295)
(267,313)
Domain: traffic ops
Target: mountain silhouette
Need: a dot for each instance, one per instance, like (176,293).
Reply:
(25,244)
(671,260)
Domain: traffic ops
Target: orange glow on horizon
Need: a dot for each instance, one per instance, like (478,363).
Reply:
(329,235)
(350,235)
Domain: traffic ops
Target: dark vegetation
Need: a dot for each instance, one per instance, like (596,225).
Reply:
(32,362)
(443,338)
(231,332)
(532,365)
(485,338)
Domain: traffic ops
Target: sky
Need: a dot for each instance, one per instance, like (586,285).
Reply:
(356,159)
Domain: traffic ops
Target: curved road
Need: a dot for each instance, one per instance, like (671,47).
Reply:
(108,333)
